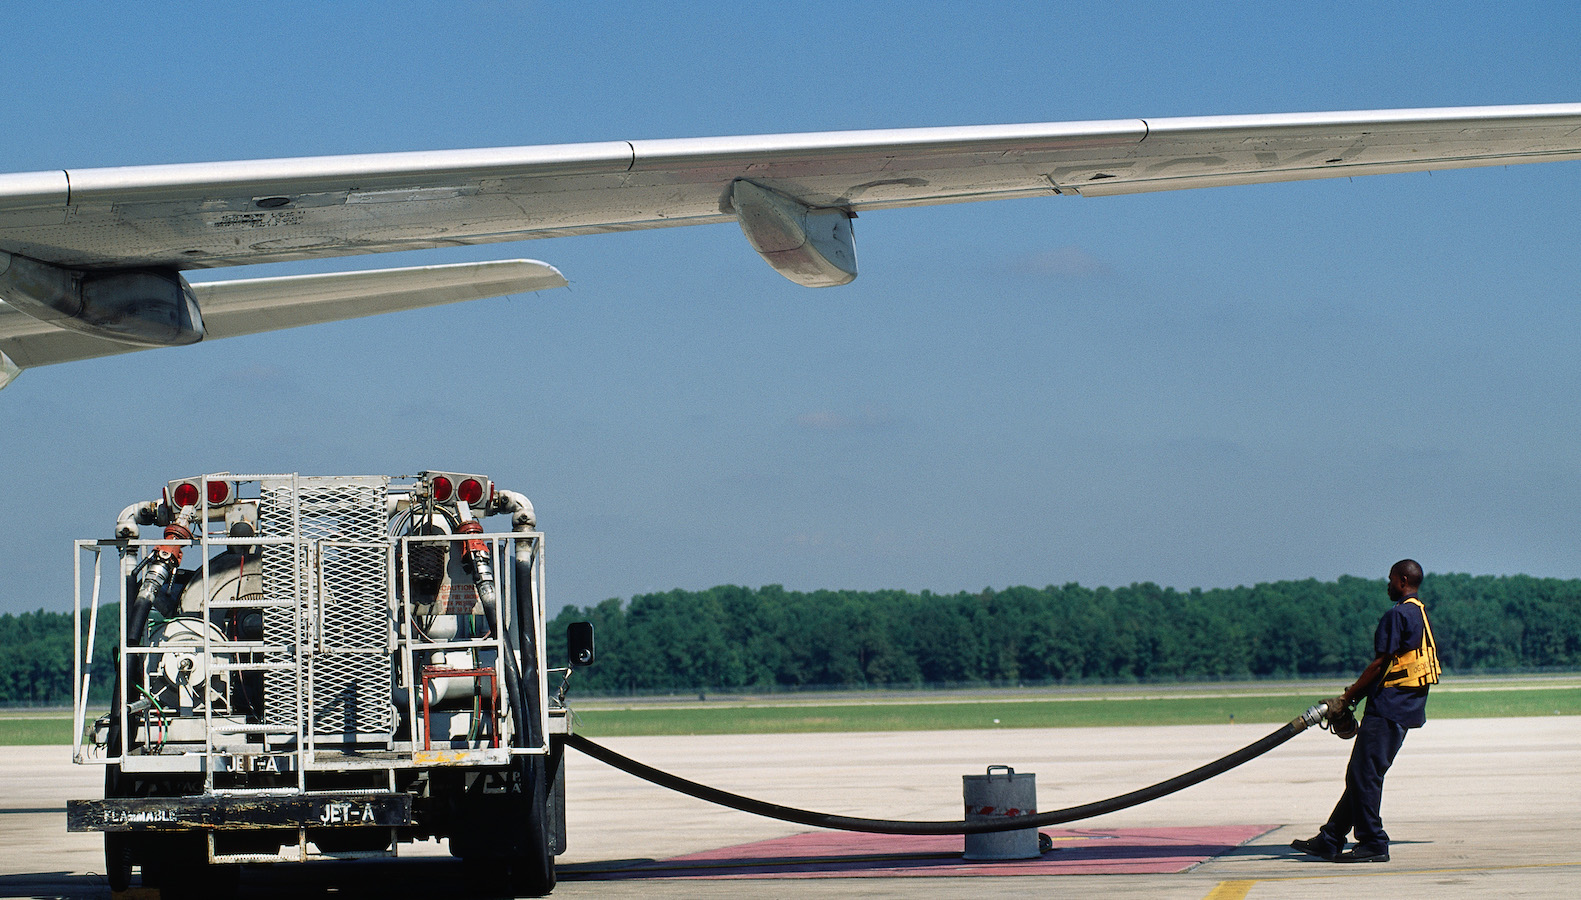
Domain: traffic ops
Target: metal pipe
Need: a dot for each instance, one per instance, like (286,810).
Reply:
(145,513)
(524,644)
(524,520)
(476,559)
(520,508)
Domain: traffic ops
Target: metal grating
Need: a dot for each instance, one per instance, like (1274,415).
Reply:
(351,664)
(341,620)
(282,564)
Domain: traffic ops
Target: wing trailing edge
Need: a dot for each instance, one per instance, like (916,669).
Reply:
(255,305)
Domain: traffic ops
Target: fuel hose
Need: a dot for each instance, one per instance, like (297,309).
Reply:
(892,826)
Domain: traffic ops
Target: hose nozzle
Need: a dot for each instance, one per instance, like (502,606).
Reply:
(1342,722)
(1313,716)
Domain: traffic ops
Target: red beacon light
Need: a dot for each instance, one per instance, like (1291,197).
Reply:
(451,488)
(221,493)
(442,488)
(185,494)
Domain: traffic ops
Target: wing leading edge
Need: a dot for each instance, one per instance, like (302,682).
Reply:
(205,215)
(793,195)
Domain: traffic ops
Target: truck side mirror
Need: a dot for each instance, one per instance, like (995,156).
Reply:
(579,641)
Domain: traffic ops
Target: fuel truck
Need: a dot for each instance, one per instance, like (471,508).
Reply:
(322,668)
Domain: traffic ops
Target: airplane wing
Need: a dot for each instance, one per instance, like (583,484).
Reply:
(254,305)
(100,250)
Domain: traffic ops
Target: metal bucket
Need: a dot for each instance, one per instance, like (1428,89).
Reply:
(998,794)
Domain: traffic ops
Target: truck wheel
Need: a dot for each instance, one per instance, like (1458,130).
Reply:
(118,860)
(503,838)
(532,866)
(118,857)
(505,847)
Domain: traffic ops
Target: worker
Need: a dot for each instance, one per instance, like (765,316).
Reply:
(1395,684)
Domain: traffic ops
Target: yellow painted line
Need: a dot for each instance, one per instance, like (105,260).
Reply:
(1373,870)
(1237,890)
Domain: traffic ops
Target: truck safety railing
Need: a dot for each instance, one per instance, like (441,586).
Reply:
(129,552)
(217,657)
(518,564)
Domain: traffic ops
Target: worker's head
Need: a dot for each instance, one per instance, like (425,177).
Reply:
(1405,577)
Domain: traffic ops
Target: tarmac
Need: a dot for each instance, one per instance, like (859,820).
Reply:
(1475,808)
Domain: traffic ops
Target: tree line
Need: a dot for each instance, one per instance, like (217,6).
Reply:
(768,638)
(737,638)
(35,657)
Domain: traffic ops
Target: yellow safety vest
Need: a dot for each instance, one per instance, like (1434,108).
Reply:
(1415,668)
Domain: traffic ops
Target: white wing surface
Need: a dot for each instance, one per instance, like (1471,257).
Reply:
(218,214)
(793,194)
(254,305)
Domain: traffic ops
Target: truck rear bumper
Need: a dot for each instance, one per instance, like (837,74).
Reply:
(229,811)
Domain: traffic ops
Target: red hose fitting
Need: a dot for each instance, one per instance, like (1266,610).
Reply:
(175,531)
(472,526)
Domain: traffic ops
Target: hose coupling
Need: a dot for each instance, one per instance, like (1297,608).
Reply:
(475,553)
(1313,716)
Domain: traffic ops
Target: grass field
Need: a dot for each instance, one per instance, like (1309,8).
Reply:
(768,718)
(1091,707)
(35,728)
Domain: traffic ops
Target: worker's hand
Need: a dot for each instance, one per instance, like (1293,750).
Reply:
(1335,704)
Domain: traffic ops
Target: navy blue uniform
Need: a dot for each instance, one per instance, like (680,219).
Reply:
(1399,630)
(1390,713)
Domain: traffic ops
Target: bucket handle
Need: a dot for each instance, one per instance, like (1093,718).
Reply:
(1009,772)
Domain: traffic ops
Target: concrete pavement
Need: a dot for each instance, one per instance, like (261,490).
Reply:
(1476,808)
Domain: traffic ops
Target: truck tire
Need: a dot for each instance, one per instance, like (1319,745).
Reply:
(118,860)
(505,844)
(532,866)
(118,855)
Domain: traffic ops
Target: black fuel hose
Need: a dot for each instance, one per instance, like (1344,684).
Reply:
(892,826)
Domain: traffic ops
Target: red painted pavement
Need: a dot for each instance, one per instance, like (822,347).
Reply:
(824,854)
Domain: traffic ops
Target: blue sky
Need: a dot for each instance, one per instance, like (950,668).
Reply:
(1199,388)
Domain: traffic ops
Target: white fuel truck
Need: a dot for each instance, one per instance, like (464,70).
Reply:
(323,667)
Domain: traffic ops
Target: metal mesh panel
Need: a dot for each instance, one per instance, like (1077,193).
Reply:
(284,569)
(339,573)
(350,668)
